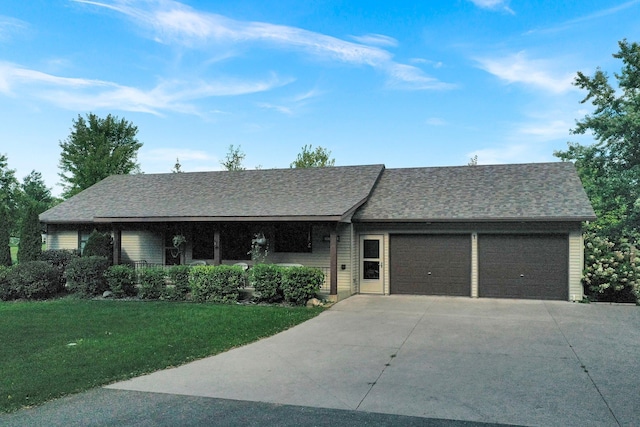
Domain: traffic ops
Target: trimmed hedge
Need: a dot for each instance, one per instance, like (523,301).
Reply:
(32,280)
(266,280)
(60,259)
(152,283)
(299,284)
(121,280)
(86,275)
(216,283)
(179,288)
(99,244)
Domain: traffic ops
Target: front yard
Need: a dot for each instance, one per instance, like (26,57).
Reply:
(64,346)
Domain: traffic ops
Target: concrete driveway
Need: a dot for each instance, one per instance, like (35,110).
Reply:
(485,360)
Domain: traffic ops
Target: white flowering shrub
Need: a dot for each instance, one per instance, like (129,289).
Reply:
(612,271)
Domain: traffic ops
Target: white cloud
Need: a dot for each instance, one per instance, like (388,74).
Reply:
(502,5)
(494,5)
(514,153)
(88,94)
(171,22)
(436,121)
(518,68)
(582,19)
(410,77)
(10,26)
(376,40)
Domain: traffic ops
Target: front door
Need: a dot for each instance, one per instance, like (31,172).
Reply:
(371,277)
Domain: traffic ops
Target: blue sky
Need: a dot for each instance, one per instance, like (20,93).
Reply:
(404,83)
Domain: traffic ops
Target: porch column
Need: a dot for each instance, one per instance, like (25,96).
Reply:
(333,264)
(117,245)
(217,257)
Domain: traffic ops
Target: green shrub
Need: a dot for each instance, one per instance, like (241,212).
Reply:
(216,283)
(99,244)
(86,276)
(266,280)
(152,283)
(121,280)
(299,284)
(6,293)
(612,272)
(33,280)
(60,259)
(179,278)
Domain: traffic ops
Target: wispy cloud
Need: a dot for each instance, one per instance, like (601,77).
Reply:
(376,40)
(172,23)
(10,26)
(518,68)
(513,153)
(162,160)
(436,121)
(502,5)
(586,18)
(291,105)
(83,94)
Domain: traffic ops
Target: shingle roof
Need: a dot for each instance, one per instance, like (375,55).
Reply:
(539,192)
(331,192)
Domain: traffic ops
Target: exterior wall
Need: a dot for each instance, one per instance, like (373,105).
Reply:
(573,229)
(60,238)
(576,265)
(142,245)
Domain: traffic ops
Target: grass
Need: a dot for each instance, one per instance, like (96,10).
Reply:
(53,348)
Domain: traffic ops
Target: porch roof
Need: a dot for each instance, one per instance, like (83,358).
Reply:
(320,194)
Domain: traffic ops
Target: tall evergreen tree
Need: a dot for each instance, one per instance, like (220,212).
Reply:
(5,250)
(30,236)
(95,149)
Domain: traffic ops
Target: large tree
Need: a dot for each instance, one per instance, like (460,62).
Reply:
(310,158)
(95,149)
(610,168)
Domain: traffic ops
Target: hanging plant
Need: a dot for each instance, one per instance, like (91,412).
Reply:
(178,243)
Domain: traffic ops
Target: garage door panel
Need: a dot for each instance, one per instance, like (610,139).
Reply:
(523,266)
(430,264)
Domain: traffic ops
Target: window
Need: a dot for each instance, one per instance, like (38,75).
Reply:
(235,242)
(203,241)
(293,238)
(83,237)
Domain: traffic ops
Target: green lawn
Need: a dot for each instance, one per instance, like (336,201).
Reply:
(52,348)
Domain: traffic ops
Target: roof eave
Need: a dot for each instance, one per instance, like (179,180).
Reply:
(477,219)
(301,218)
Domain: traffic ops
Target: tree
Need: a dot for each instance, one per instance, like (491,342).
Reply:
(610,168)
(473,161)
(32,193)
(95,149)
(177,168)
(30,236)
(8,189)
(233,159)
(5,250)
(309,158)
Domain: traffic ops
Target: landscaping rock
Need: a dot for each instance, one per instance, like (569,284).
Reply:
(314,302)
(107,294)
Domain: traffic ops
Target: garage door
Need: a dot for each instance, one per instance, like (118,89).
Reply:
(430,264)
(523,266)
